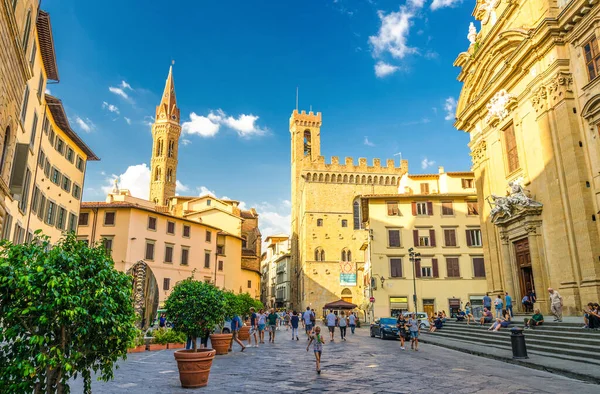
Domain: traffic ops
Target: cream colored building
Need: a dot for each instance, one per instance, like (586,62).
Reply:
(326,230)
(531,105)
(437,216)
(168,238)
(49,158)
(276,271)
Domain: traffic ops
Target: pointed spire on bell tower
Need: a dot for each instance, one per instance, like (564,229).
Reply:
(165,133)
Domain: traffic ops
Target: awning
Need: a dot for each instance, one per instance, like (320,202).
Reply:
(341,304)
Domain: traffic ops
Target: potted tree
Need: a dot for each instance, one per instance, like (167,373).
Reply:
(195,308)
(245,303)
(221,341)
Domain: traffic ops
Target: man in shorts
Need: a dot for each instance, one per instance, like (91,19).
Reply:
(253,328)
(331,323)
(272,320)
(413,327)
(306,317)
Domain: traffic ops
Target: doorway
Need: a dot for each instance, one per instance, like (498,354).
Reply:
(523,256)
(428,306)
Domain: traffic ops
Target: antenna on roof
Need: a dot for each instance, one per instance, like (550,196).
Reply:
(310,108)
(173,61)
(296,98)
(399,154)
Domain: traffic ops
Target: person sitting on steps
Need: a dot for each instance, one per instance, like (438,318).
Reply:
(501,322)
(536,320)
(486,318)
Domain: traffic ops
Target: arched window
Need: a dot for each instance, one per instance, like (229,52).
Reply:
(308,177)
(347,295)
(26,31)
(157,174)
(363,179)
(321,177)
(381,180)
(351,178)
(370,180)
(356,214)
(159,147)
(244,242)
(170,175)
(171,148)
(387,180)
(315,177)
(349,256)
(339,178)
(393,180)
(375,180)
(307,142)
(345,178)
(343,254)
(319,254)
(322,255)
(319,222)
(326,177)
(5,144)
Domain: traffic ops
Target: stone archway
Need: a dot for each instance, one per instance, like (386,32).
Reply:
(145,293)
(347,295)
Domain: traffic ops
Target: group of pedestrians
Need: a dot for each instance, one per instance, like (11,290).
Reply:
(408,330)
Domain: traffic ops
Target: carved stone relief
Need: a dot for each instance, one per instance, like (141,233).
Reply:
(499,106)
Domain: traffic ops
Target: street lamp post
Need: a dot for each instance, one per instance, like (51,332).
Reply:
(414,258)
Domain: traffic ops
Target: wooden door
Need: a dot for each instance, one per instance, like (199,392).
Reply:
(428,309)
(523,257)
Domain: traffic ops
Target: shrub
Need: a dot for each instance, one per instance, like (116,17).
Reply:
(195,308)
(64,311)
(161,336)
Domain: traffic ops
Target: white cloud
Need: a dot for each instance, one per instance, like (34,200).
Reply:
(209,126)
(127,120)
(417,3)
(245,125)
(204,191)
(110,107)
(426,163)
(287,203)
(136,178)
(383,69)
(47,91)
(204,126)
(180,187)
(86,125)
(185,142)
(148,120)
(437,4)
(367,142)
(416,122)
(393,34)
(450,108)
(119,92)
(125,85)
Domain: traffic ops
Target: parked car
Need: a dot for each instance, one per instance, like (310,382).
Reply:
(421,317)
(384,328)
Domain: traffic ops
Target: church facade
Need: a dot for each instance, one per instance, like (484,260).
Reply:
(531,104)
(327,229)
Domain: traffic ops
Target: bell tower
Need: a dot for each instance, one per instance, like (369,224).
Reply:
(165,134)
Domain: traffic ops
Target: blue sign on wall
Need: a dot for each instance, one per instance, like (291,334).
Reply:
(348,279)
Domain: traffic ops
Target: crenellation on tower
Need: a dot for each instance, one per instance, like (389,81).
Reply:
(391,163)
(362,162)
(335,160)
(376,163)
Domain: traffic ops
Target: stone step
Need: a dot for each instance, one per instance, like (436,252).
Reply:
(504,341)
(562,336)
(548,324)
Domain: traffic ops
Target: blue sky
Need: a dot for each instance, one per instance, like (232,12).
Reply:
(380,72)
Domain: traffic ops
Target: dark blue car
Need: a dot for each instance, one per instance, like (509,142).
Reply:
(384,328)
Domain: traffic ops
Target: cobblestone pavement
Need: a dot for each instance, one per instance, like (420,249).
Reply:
(359,365)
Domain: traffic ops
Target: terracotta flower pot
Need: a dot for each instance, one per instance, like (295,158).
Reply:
(137,349)
(156,346)
(244,333)
(176,346)
(194,366)
(220,342)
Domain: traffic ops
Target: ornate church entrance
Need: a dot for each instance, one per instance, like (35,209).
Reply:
(523,256)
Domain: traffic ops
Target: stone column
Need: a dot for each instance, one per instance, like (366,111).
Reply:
(508,266)
(537,266)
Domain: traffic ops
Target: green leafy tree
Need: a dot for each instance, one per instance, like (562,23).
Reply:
(233,304)
(258,305)
(64,311)
(195,307)
(246,302)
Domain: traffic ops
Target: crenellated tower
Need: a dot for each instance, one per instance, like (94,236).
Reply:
(165,134)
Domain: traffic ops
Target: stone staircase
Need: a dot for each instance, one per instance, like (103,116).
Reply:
(563,348)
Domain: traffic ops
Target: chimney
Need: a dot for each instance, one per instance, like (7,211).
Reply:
(441,169)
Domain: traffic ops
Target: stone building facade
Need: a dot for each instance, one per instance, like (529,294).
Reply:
(436,215)
(49,159)
(327,232)
(17,23)
(531,103)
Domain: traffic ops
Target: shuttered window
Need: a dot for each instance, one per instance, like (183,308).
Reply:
(394,238)
(185,252)
(434,268)
(478,267)
(472,208)
(392,207)
(510,143)
(168,254)
(396,267)
(150,251)
(592,58)
(432,237)
(424,188)
(166,283)
(207,259)
(450,237)
(452,267)
(447,208)
(109,219)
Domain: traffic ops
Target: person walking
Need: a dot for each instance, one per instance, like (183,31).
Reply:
(468,313)
(272,320)
(317,347)
(556,304)
(236,324)
(413,326)
(352,322)
(253,328)
(498,305)
(262,322)
(294,320)
(331,323)
(162,322)
(401,324)
(308,326)
(286,319)
(508,301)
(487,302)
(342,324)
